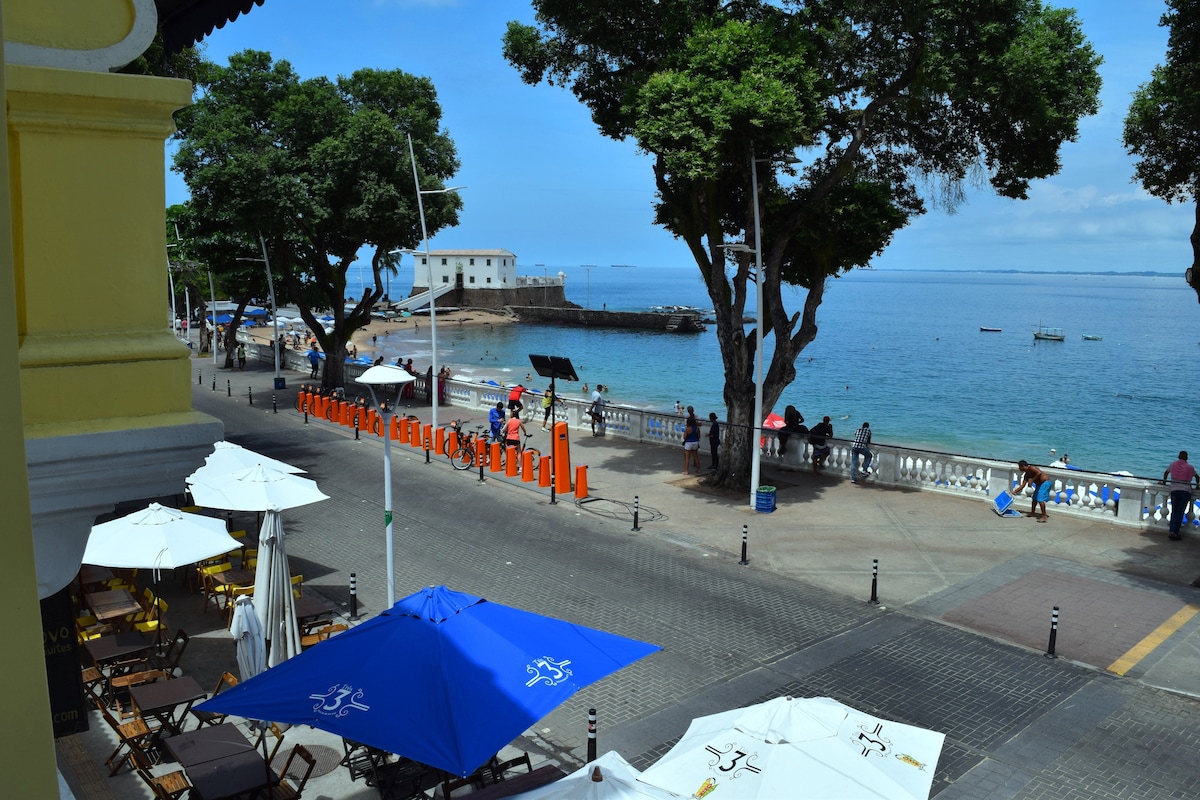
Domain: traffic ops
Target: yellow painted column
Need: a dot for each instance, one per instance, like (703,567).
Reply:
(26,761)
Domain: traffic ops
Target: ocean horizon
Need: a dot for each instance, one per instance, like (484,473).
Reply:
(903,350)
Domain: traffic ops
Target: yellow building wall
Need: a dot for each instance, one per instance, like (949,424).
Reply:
(26,760)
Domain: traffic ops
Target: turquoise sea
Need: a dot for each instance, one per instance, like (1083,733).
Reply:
(904,351)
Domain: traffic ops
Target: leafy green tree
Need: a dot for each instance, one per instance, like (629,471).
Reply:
(320,169)
(882,107)
(1162,128)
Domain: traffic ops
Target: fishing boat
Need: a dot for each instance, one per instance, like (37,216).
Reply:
(1049,334)
(988,330)
(1087,337)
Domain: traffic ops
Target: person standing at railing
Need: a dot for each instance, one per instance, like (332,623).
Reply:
(817,438)
(862,438)
(691,441)
(714,441)
(596,410)
(1183,479)
(1040,483)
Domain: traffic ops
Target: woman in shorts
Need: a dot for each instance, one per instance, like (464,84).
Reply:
(691,441)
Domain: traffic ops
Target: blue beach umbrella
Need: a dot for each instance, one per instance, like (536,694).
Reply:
(442,677)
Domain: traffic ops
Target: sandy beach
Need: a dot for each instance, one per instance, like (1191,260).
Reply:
(418,324)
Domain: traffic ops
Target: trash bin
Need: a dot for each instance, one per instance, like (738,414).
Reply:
(281,383)
(764,499)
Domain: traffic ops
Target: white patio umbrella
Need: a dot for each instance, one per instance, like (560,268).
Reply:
(227,458)
(273,598)
(248,634)
(609,777)
(770,749)
(257,488)
(157,537)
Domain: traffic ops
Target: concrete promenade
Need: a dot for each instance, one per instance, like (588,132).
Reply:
(956,642)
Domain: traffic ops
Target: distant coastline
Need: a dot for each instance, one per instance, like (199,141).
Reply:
(1109,273)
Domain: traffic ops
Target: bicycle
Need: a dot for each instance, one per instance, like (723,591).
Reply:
(523,447)
(464,454)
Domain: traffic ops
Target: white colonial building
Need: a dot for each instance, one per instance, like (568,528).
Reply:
(479,269)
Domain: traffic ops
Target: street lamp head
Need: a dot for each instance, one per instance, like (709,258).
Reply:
(442,191)
(383,376)
(737,247)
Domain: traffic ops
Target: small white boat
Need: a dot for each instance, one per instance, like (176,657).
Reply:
(1087,337)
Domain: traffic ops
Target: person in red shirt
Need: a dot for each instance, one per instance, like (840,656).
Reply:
(1183,479)
(514,399)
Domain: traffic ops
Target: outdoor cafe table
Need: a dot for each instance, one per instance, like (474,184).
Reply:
(112,605)
(310,607)
(167,701)
(220,761)
(90,573)
(234,577)
(117,646)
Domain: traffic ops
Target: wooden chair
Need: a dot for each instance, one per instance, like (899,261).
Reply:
(499,769)
(227,681)
(134,735)
(152,620)
(169,661)
(276,731)
(297,585)
(209,587)
(322,633)
(285,790)
(95,684)
(171,786)
(357,759)
(120,685)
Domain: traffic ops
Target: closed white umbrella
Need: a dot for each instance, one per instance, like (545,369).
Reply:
(248,634)
(258,488)
(273,592)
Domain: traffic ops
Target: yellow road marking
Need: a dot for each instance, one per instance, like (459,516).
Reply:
(1156,637)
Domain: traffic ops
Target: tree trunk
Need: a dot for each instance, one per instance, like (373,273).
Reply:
(1193,274)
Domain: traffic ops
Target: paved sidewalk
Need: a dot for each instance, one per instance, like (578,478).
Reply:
(956,642)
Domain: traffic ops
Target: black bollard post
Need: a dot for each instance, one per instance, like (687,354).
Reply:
(553,483)
(427,443)
(306,411)
(356,423)
(745,543)
(353,595)
(274,404)
(591,751)
(228,388)
(874,601)
(635,514)
(479,458)
(214,382)
(1053,633)
(250,394)
(199,379)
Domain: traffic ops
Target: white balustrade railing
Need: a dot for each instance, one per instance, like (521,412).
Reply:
(1075,492)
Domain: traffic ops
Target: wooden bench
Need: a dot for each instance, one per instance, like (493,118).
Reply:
(519,783)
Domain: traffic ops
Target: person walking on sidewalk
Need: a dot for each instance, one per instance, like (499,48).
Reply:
(691,441)
(241,355)
(1183,479)
(1040,482)
(862,438)
(314,358)
(714,441)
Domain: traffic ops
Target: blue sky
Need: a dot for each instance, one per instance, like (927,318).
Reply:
(543,183)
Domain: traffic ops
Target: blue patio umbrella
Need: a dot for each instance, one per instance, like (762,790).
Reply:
(442,677)
(223,319)
(255,312)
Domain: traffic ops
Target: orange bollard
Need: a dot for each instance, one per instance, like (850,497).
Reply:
(439,441)
(510,462)
(481,451)
(371,416)
(426,436)
(414,434)
(581,490)
(327,408)
(562,459)
(544,471)
(527,466)
(394,428)
(451,441)
(402,429)
(347,413)
(495,465)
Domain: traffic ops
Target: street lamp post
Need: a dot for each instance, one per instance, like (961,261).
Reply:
(433,367)
(588,268)
(384,375)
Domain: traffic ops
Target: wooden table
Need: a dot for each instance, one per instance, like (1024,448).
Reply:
(311,607)
(112,605)
(515,784)
(234,577)
(220,761)
(117,646)
(90,573)
(167,701)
